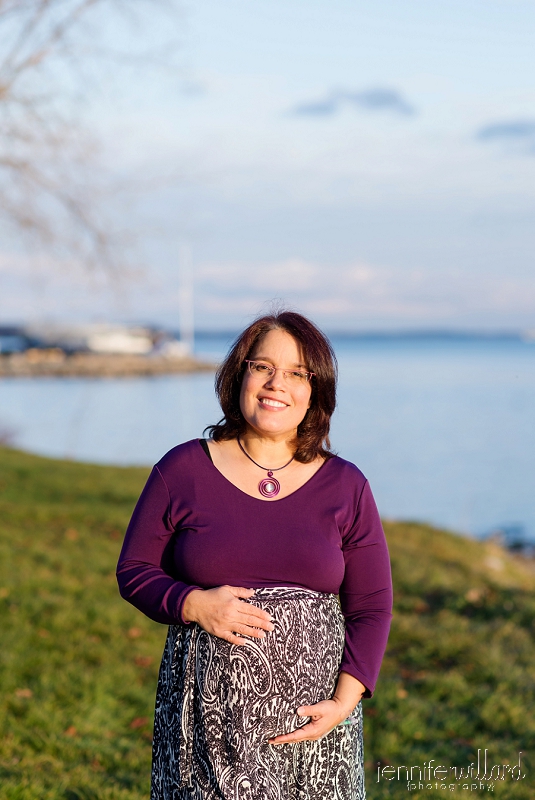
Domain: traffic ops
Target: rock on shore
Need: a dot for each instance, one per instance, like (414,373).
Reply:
(55,362)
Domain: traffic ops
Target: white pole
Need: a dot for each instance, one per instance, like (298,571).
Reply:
(185,297)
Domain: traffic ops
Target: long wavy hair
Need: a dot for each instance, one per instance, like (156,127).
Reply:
(313,432)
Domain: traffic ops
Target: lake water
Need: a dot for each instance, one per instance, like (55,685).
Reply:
(444,428)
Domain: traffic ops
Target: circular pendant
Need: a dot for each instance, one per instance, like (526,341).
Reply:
(269,487)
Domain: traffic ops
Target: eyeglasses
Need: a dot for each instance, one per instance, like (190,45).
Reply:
(259,369)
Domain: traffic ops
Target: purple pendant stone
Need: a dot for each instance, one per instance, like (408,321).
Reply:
(269,487)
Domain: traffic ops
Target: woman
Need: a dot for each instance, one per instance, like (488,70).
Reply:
(241,544)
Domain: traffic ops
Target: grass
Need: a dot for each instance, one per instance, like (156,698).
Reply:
(78,666)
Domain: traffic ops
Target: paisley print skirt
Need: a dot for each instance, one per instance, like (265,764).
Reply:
(217,704)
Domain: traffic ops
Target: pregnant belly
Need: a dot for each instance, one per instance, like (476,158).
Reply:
(257,687)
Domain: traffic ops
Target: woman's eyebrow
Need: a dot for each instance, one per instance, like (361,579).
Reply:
(265,358)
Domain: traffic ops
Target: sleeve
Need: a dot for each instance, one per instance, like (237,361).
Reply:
(144,571)
(366,594)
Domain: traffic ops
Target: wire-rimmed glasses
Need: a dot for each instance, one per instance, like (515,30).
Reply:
(259,369)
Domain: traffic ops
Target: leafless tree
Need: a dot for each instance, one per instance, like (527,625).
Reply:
(49,185)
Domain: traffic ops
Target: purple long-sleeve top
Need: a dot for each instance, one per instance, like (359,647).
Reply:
(192,528)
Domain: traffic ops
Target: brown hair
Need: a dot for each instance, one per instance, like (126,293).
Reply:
(313,432)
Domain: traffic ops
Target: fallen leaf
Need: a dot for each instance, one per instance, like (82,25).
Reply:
(23,693)
(71,534)
(421,607)
(473,595)
(71,731)
(134,633)
(143,661)
(139,722)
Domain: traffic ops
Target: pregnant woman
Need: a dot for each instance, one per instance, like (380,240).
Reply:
(264,553)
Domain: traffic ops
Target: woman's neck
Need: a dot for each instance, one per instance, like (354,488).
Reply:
(267,450)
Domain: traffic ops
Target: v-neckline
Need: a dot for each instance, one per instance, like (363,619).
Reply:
(208,457)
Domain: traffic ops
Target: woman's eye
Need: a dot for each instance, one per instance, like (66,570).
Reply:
(262,368)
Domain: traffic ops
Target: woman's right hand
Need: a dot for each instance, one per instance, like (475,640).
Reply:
(222,613)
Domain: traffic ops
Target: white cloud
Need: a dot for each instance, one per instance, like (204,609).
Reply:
(292,275)
(352,295)
(362,292)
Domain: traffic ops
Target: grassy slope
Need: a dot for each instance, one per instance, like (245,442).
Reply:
(78,666)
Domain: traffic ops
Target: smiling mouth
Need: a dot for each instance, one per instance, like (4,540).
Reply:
(269,401)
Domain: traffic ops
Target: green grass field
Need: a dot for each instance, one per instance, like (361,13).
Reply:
(78,665)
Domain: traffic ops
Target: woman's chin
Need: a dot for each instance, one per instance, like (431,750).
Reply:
(268,426)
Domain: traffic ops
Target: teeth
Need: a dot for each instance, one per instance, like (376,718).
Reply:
(275,403)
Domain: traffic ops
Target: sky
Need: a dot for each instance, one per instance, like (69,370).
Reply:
(371,164)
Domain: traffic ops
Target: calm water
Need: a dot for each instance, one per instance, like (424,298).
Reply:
(444,429)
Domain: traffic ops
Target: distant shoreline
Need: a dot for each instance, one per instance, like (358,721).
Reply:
(56,363)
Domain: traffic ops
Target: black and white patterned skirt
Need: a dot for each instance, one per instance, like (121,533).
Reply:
(217,704)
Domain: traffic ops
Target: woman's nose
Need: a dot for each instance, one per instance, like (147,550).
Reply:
(275,380)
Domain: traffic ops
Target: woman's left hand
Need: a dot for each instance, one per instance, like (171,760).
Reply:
(325,716)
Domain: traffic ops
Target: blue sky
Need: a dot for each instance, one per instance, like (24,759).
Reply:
(370,163)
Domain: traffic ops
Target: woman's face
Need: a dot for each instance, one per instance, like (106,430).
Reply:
(275,406)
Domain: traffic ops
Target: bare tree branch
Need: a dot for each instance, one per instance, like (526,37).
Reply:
(50,187)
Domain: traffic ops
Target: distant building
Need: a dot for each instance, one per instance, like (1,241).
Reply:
(115,339)
(100,338)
